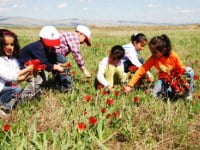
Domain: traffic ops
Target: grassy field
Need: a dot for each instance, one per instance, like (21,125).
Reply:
(51,121)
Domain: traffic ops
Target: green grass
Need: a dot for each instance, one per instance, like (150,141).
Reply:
(50,122)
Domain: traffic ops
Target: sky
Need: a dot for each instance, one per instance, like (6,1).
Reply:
(155,11)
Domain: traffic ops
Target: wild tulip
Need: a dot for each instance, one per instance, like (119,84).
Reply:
(6,127)
(103,110)
(116,114)
(87,98)
(92,120)
(81,126)
(136,99)
(117,93)
(109,102)
(73,73)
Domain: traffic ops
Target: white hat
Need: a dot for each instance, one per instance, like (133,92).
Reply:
(50,36)
(86,31)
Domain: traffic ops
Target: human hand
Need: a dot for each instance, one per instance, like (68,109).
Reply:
(58,67)
(150,76)
(86,73)
(126,88)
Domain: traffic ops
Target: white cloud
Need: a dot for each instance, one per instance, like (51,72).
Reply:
(62,5)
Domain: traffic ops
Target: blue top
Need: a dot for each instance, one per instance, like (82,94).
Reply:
(36,50)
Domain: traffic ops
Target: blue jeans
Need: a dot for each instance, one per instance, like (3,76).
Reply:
(162,89)
(63,78)
(7,94)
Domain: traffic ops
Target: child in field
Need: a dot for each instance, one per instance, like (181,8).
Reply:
(132,49)
(165,60)
(43,49)
(71,43)
(10,72)
(111,68)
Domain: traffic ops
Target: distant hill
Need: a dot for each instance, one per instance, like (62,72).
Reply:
(22,21)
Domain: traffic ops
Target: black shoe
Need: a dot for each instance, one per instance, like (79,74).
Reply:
(65,89)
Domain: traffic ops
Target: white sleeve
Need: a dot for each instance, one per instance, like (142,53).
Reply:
(100,75)
(131,54)
(8,74)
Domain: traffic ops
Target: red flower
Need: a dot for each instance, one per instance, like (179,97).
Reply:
(123,89)
(116,114)
(39,67)
(92,120)
(73,73)
(32,62)
(108,116)
(6,127)
(104,93)
(68,66)
(81,126)
(103,110)
(196,77)
(110,102)
(132,68)
(87,98)
(116,93)
(136,99)
(99,86)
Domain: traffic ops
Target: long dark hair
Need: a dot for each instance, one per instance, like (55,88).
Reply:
(138,37)
(3,33)
(162,44)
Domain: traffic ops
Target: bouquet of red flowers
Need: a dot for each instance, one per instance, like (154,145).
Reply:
(178,81)
(37,65)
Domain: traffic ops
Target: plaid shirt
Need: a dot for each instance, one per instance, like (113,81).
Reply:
(70,44)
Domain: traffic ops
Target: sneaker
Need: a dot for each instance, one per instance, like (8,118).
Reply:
(189,97)
(3,114)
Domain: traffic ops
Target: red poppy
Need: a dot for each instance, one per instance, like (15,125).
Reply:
(108,116)
(136,99)
(39,67)
(32,62)
(82,126)
(99,86)
(92,120)
(103,110)
(124,89)
(73,73)
(196,77)
(6,127)
(110,102)
(104,92)
(132,68)
(117,93)
(87,98)
(116,114)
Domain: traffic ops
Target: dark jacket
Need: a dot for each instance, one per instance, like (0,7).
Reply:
(36,50)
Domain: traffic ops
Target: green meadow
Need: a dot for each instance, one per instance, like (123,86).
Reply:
(50,122)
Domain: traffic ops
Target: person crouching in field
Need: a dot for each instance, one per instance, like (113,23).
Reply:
(111,68)
(44,51)
(132,59)
(174,79)
(10,73)
(70,43)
